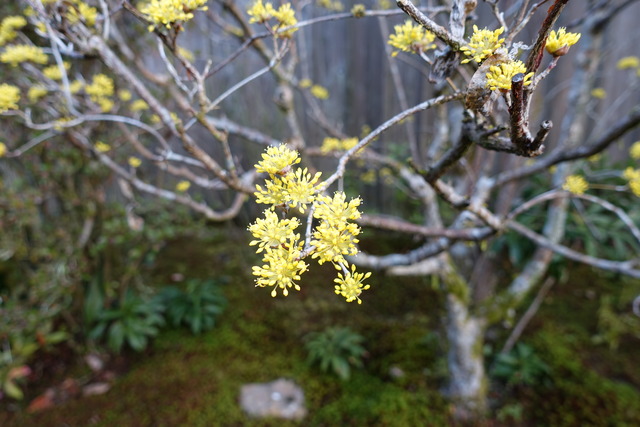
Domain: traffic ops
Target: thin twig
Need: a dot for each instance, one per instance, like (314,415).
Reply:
(527,316)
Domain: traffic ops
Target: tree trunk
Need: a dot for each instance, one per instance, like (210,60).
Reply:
(467,386)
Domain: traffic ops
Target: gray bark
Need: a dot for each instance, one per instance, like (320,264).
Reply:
(467,387)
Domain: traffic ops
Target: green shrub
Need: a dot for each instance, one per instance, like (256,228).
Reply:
(579,395)
(521,366)
(336,350)
(132,321)
(196,306)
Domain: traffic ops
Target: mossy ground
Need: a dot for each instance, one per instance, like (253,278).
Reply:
(187,380)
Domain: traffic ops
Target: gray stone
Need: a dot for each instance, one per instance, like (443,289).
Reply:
(280,398)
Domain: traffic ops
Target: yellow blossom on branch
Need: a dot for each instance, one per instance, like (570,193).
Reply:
(76,86)
(102,147)
(282,266)
(19,53)
(575,184)
(275,193)
(336,208)
(124,95)
(333,240)
(134,162)
(358,10)
(482,44)
(411,38)
(500,76)
(9,97)
(628,62)
(105,104)
(633,176)
(8,28)
(36,92)
(286,18)
(305,83)
(260,12)
(82,12)
(139,105)
(183,186)
(167,12)
(3,149)
(559,42)
(335,6)
(634,151)
(319,92)
(631,173)
(599,93)
(301,188)
(335,236)
(272,232)
(350,285)
(101,86)
(277,160)
(54,72)
(330,144)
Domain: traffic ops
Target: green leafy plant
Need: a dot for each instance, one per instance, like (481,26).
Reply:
(521,366)
(336,350)
(132,321)
(613,325)
(511,412)
(196,306)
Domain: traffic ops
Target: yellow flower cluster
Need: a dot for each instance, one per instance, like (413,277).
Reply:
(100,90)
(411,38)
(319,92)
(134,162)
(634,151)
(19,53)
(333,238)
(334,144)
(628,62)
(76,86)
(575,184)
(139,105)
(9,97)
(82,12)
(559,42)
(124,95)
(262,12)
(54,72)
(36,92)
(358,10)
(482,44)
(167,12)
(350,285)
(500,76)
(333,5)
(8,28)
(277,160)
(599,93)
(295,190)
(183,186)
(272,232)
(102,147)
(633,176)
(305,83)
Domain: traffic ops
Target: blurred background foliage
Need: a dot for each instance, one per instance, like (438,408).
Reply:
(84,268)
